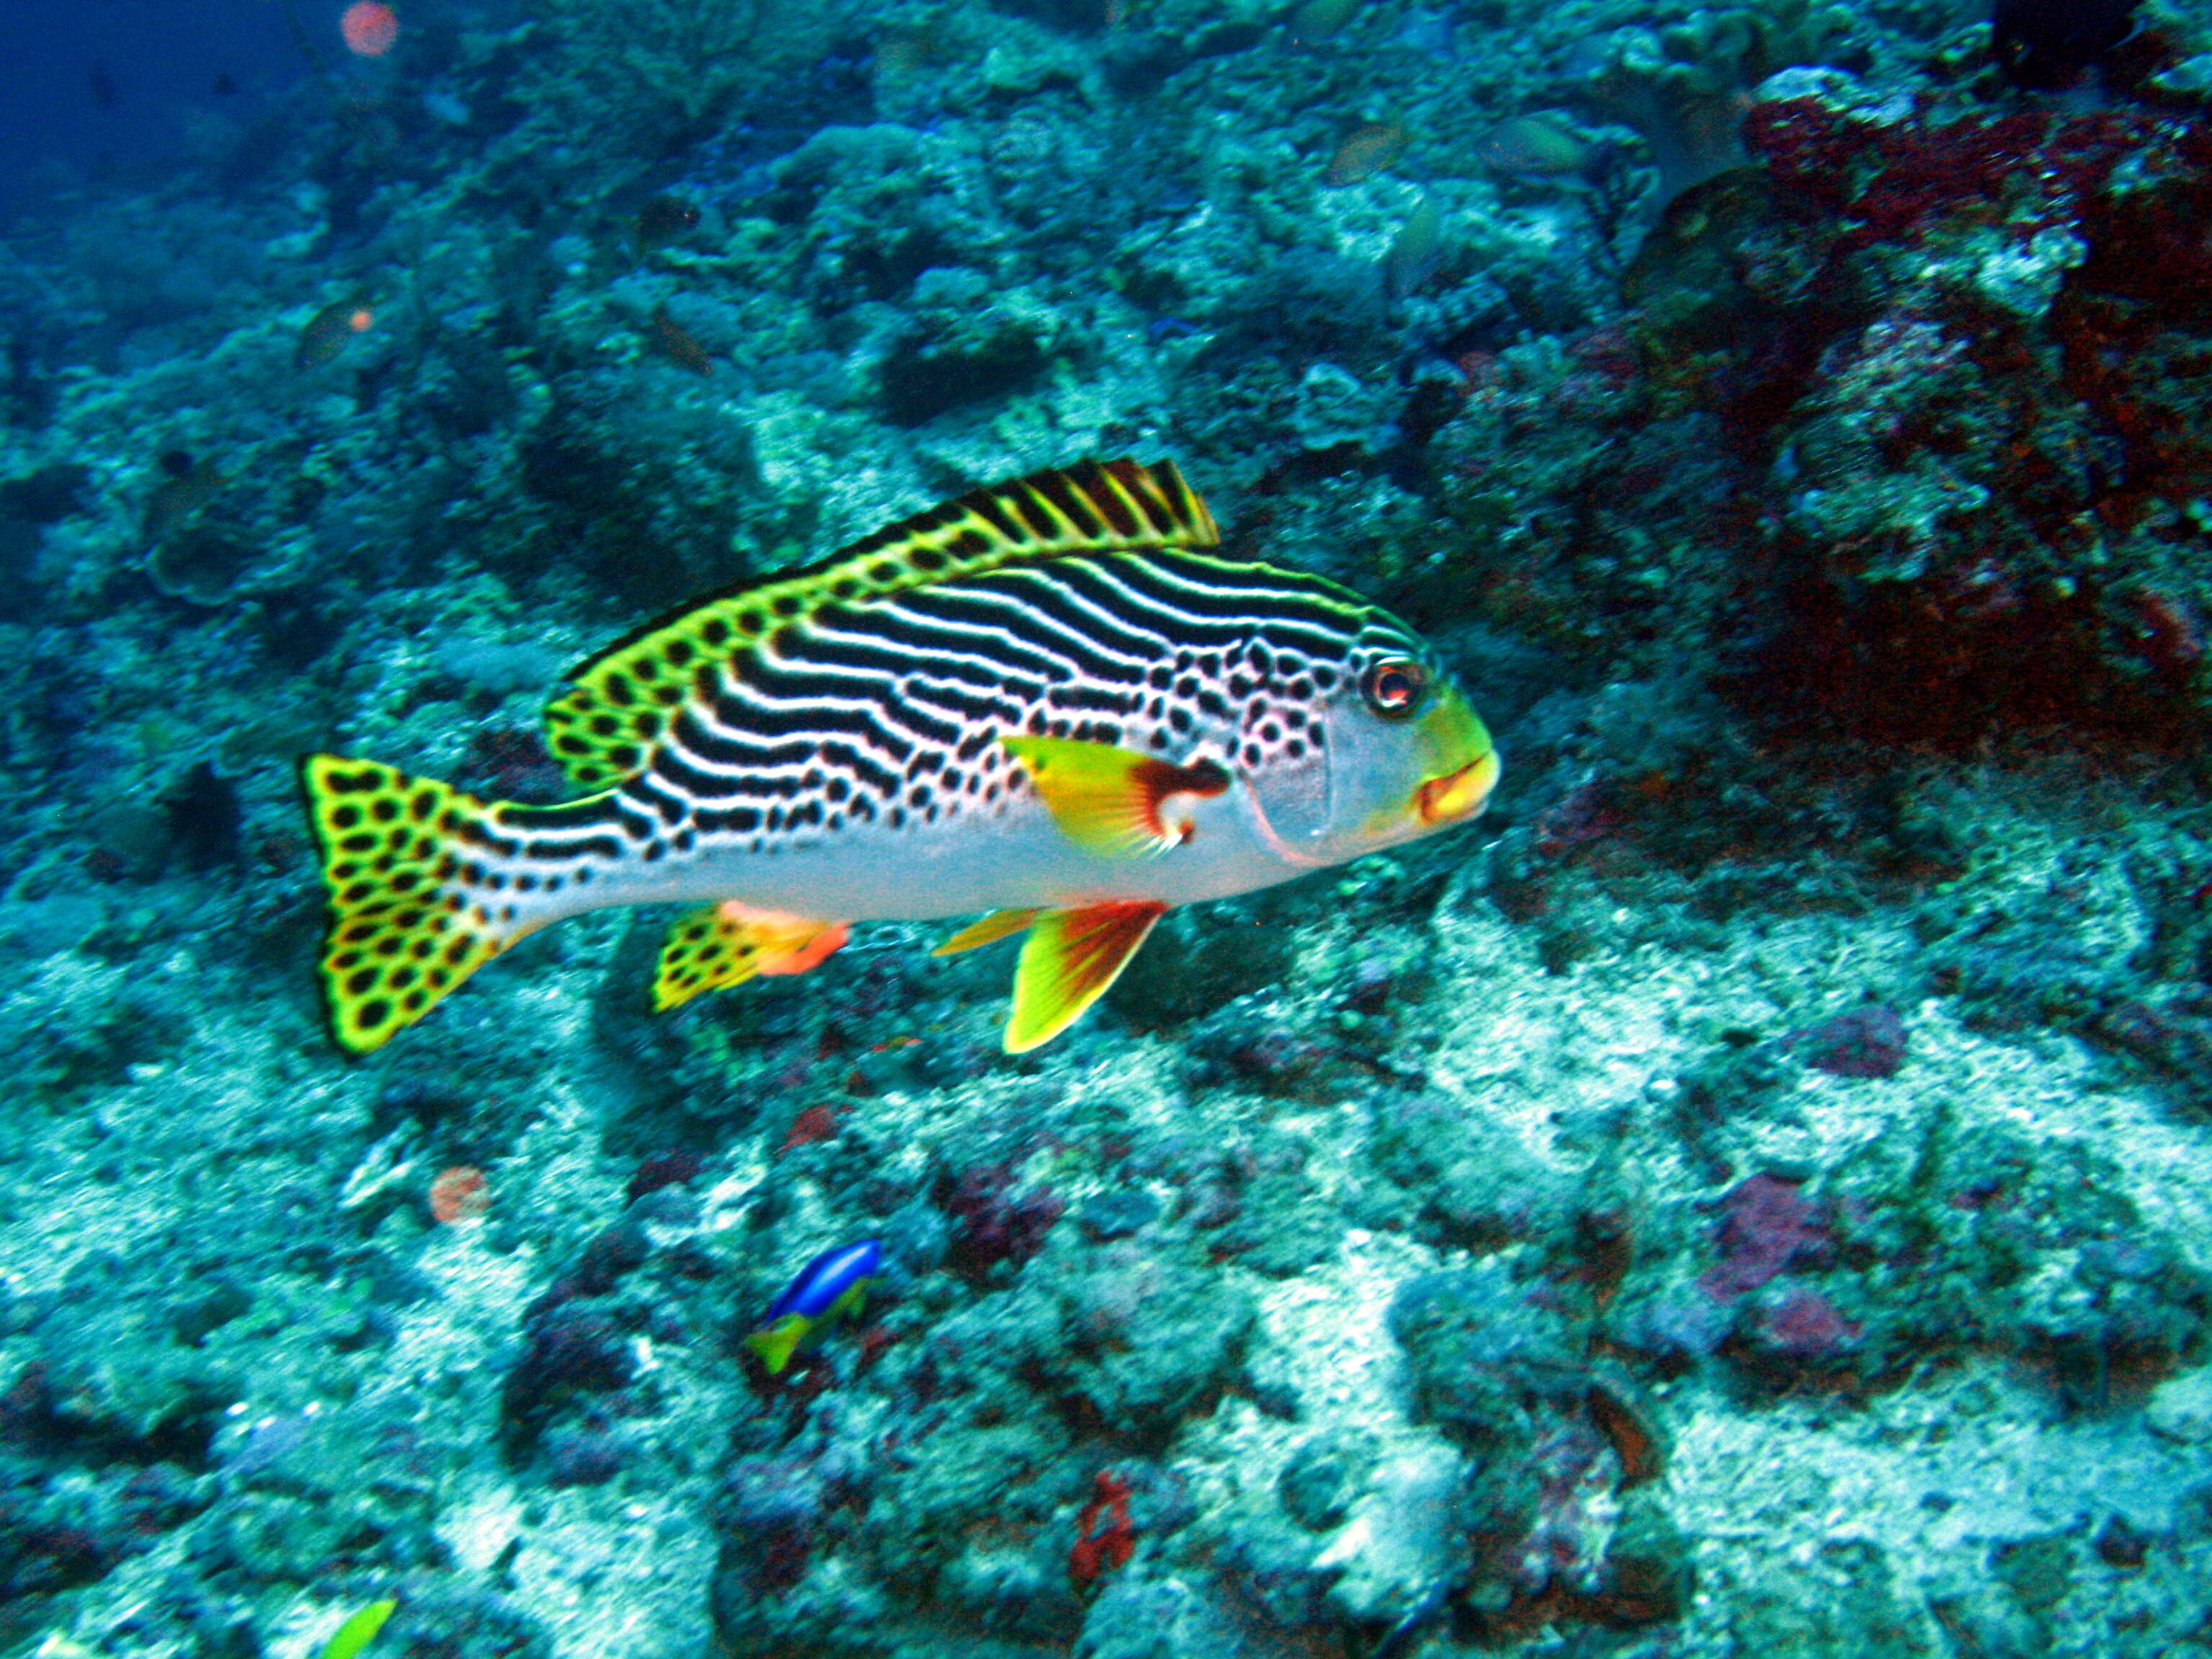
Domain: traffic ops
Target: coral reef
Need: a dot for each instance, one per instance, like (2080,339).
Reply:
(1744,1196)
(1684,88)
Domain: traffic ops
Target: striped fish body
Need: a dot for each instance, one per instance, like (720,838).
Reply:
(908,806)
(1043,700)
(976,855)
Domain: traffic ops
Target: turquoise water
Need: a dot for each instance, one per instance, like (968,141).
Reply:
(1743,1194)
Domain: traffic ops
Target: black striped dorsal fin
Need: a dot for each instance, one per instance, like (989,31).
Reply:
(604,728)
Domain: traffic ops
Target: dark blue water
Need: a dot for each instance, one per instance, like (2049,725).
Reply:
(103,91)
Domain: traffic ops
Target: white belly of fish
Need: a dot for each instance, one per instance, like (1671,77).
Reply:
(1016,858)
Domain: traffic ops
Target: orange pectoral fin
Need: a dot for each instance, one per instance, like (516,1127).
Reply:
(1108,800)
(727,944)
(1067,962)
(999,924)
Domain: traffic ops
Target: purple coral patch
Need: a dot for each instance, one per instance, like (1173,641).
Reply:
(1867,1042)
(1795,1322)
(991,1223)
(1768,1226)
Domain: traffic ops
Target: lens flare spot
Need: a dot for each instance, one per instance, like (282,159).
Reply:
(371,28)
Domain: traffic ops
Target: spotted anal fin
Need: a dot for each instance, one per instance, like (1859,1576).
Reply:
(400,936)
(727,944)
(1116,803)
(999,924)
(1067,962)
(621,703)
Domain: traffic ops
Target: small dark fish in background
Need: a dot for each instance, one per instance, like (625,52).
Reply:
(1414,251)
(328,329)
(188,487)
(911,48)
(2042,45)
(663,220)
(1316,20)
(1544,144)
(100,82)
(1365,153)
(679,344)
(224,85)
(204,819)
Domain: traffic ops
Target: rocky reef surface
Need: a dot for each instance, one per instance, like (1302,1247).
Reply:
(1751,1193)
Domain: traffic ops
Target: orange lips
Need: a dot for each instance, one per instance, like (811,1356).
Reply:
(1457,794)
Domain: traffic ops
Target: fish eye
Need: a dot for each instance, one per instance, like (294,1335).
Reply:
(1393,686)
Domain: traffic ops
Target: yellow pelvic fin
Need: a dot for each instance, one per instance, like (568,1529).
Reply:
(999,924)
(400,938)
(1116,803)
(776,1343)
(1067,962)
(727,944)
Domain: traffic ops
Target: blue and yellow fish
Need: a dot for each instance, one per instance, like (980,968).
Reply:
(831,1287)
(1042,700)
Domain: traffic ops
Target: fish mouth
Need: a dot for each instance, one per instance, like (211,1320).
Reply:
(1455,795)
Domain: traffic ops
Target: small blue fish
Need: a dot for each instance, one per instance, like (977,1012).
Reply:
(831,1285)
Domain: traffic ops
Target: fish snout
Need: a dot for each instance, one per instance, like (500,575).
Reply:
(1452,796)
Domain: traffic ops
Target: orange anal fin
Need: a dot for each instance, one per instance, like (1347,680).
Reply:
(800,956)
(1116,803)
(1067,962)
(999,924)
(727,944)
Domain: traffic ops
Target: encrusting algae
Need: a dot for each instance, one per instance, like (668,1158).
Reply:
(1039,700)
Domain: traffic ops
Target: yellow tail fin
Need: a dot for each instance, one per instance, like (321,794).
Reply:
(401,935)
(780,1341)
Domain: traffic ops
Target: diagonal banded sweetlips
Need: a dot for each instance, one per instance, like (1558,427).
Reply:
(1040,699)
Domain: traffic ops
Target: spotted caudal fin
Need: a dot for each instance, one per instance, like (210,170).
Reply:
(727,944)
(401,935)
(1067,962)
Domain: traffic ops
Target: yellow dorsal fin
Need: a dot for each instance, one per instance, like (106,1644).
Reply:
(1113,803)
(999,924)
(604,728)
(727,944)
(1067,962)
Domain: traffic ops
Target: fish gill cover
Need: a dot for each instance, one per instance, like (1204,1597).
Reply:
(1739,1195)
